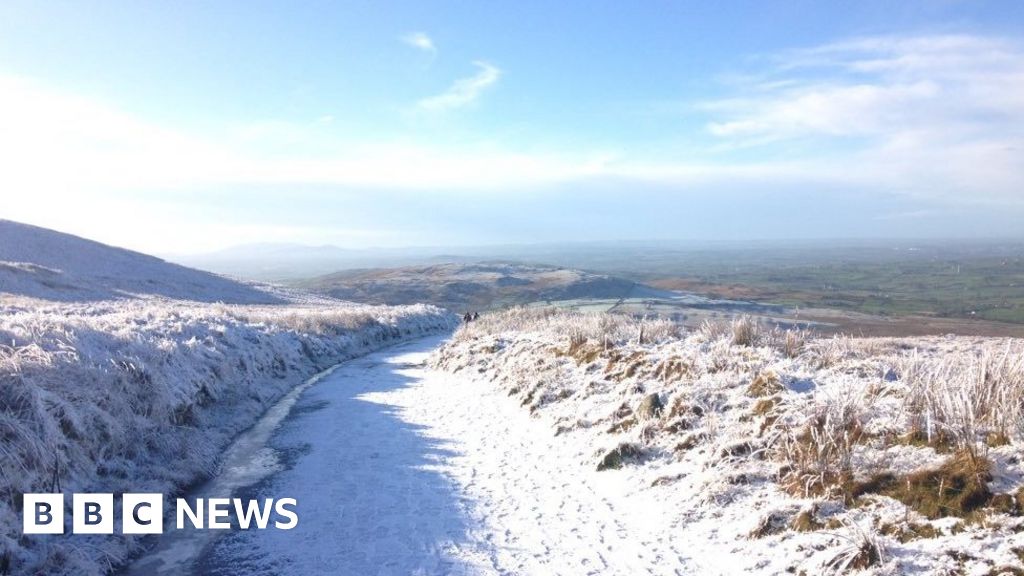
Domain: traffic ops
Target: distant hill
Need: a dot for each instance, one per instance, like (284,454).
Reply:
(275,262)
(271,261)
(478,286)
(46,264)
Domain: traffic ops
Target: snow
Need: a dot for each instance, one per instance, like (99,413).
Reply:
(142,395)
(709,479)
(400,469)
(122,373)
(478,455)
(49,265)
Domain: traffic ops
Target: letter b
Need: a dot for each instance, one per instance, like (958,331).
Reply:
(43,514)
(93,514)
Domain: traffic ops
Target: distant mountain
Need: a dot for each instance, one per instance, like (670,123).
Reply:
(50,265)
(285,262)
(477,286)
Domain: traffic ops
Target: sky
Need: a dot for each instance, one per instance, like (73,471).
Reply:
(187,127)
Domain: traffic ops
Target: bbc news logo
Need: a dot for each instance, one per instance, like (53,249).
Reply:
(144,513)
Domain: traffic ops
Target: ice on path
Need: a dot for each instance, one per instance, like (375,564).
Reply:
(399,469)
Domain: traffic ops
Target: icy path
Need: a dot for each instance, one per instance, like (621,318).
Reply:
(402,470)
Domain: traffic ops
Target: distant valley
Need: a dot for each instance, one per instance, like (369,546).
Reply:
(876,287)
(478,286)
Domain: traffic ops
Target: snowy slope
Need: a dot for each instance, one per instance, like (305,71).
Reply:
(50,265)
(771,452)
(121,373)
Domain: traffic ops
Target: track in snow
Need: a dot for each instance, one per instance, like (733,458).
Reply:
(399,469)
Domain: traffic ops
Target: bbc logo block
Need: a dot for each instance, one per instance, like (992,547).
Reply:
(93,514)
(142,513)
(44,514)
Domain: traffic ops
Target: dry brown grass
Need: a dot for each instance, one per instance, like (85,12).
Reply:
(959,487)
(765,384)
(805,521)
(818,455)
(765,406)
(673,369)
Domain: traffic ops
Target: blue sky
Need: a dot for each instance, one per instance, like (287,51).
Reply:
(190,126)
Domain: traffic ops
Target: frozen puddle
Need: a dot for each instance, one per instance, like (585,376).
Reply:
(399,469)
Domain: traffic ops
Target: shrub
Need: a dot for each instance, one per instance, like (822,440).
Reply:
(604,330)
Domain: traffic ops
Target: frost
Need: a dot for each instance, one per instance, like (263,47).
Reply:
(141,395)
(811,454)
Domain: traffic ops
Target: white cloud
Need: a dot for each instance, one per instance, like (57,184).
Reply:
(822,109)
(878,86)
(934,116)
(937,119)
(420,41)
(64,146)
(464,91)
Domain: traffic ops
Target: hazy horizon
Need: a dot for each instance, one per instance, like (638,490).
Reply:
(672,243)
(187,129)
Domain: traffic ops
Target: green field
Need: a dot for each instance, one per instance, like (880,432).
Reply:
(991,289)
(980,280)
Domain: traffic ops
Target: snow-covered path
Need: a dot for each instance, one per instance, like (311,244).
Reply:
(399,469)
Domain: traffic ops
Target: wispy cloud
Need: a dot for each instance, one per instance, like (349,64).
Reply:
(876,86)
(823,108)
(464,91)
(937,116)
(420,41)
(934,121)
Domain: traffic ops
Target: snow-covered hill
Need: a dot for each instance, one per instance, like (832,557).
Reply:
(773,452)
(46,264)
(122,373)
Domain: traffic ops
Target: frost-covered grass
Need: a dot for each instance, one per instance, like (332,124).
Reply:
(578,326)
(818,454)
(142,395)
